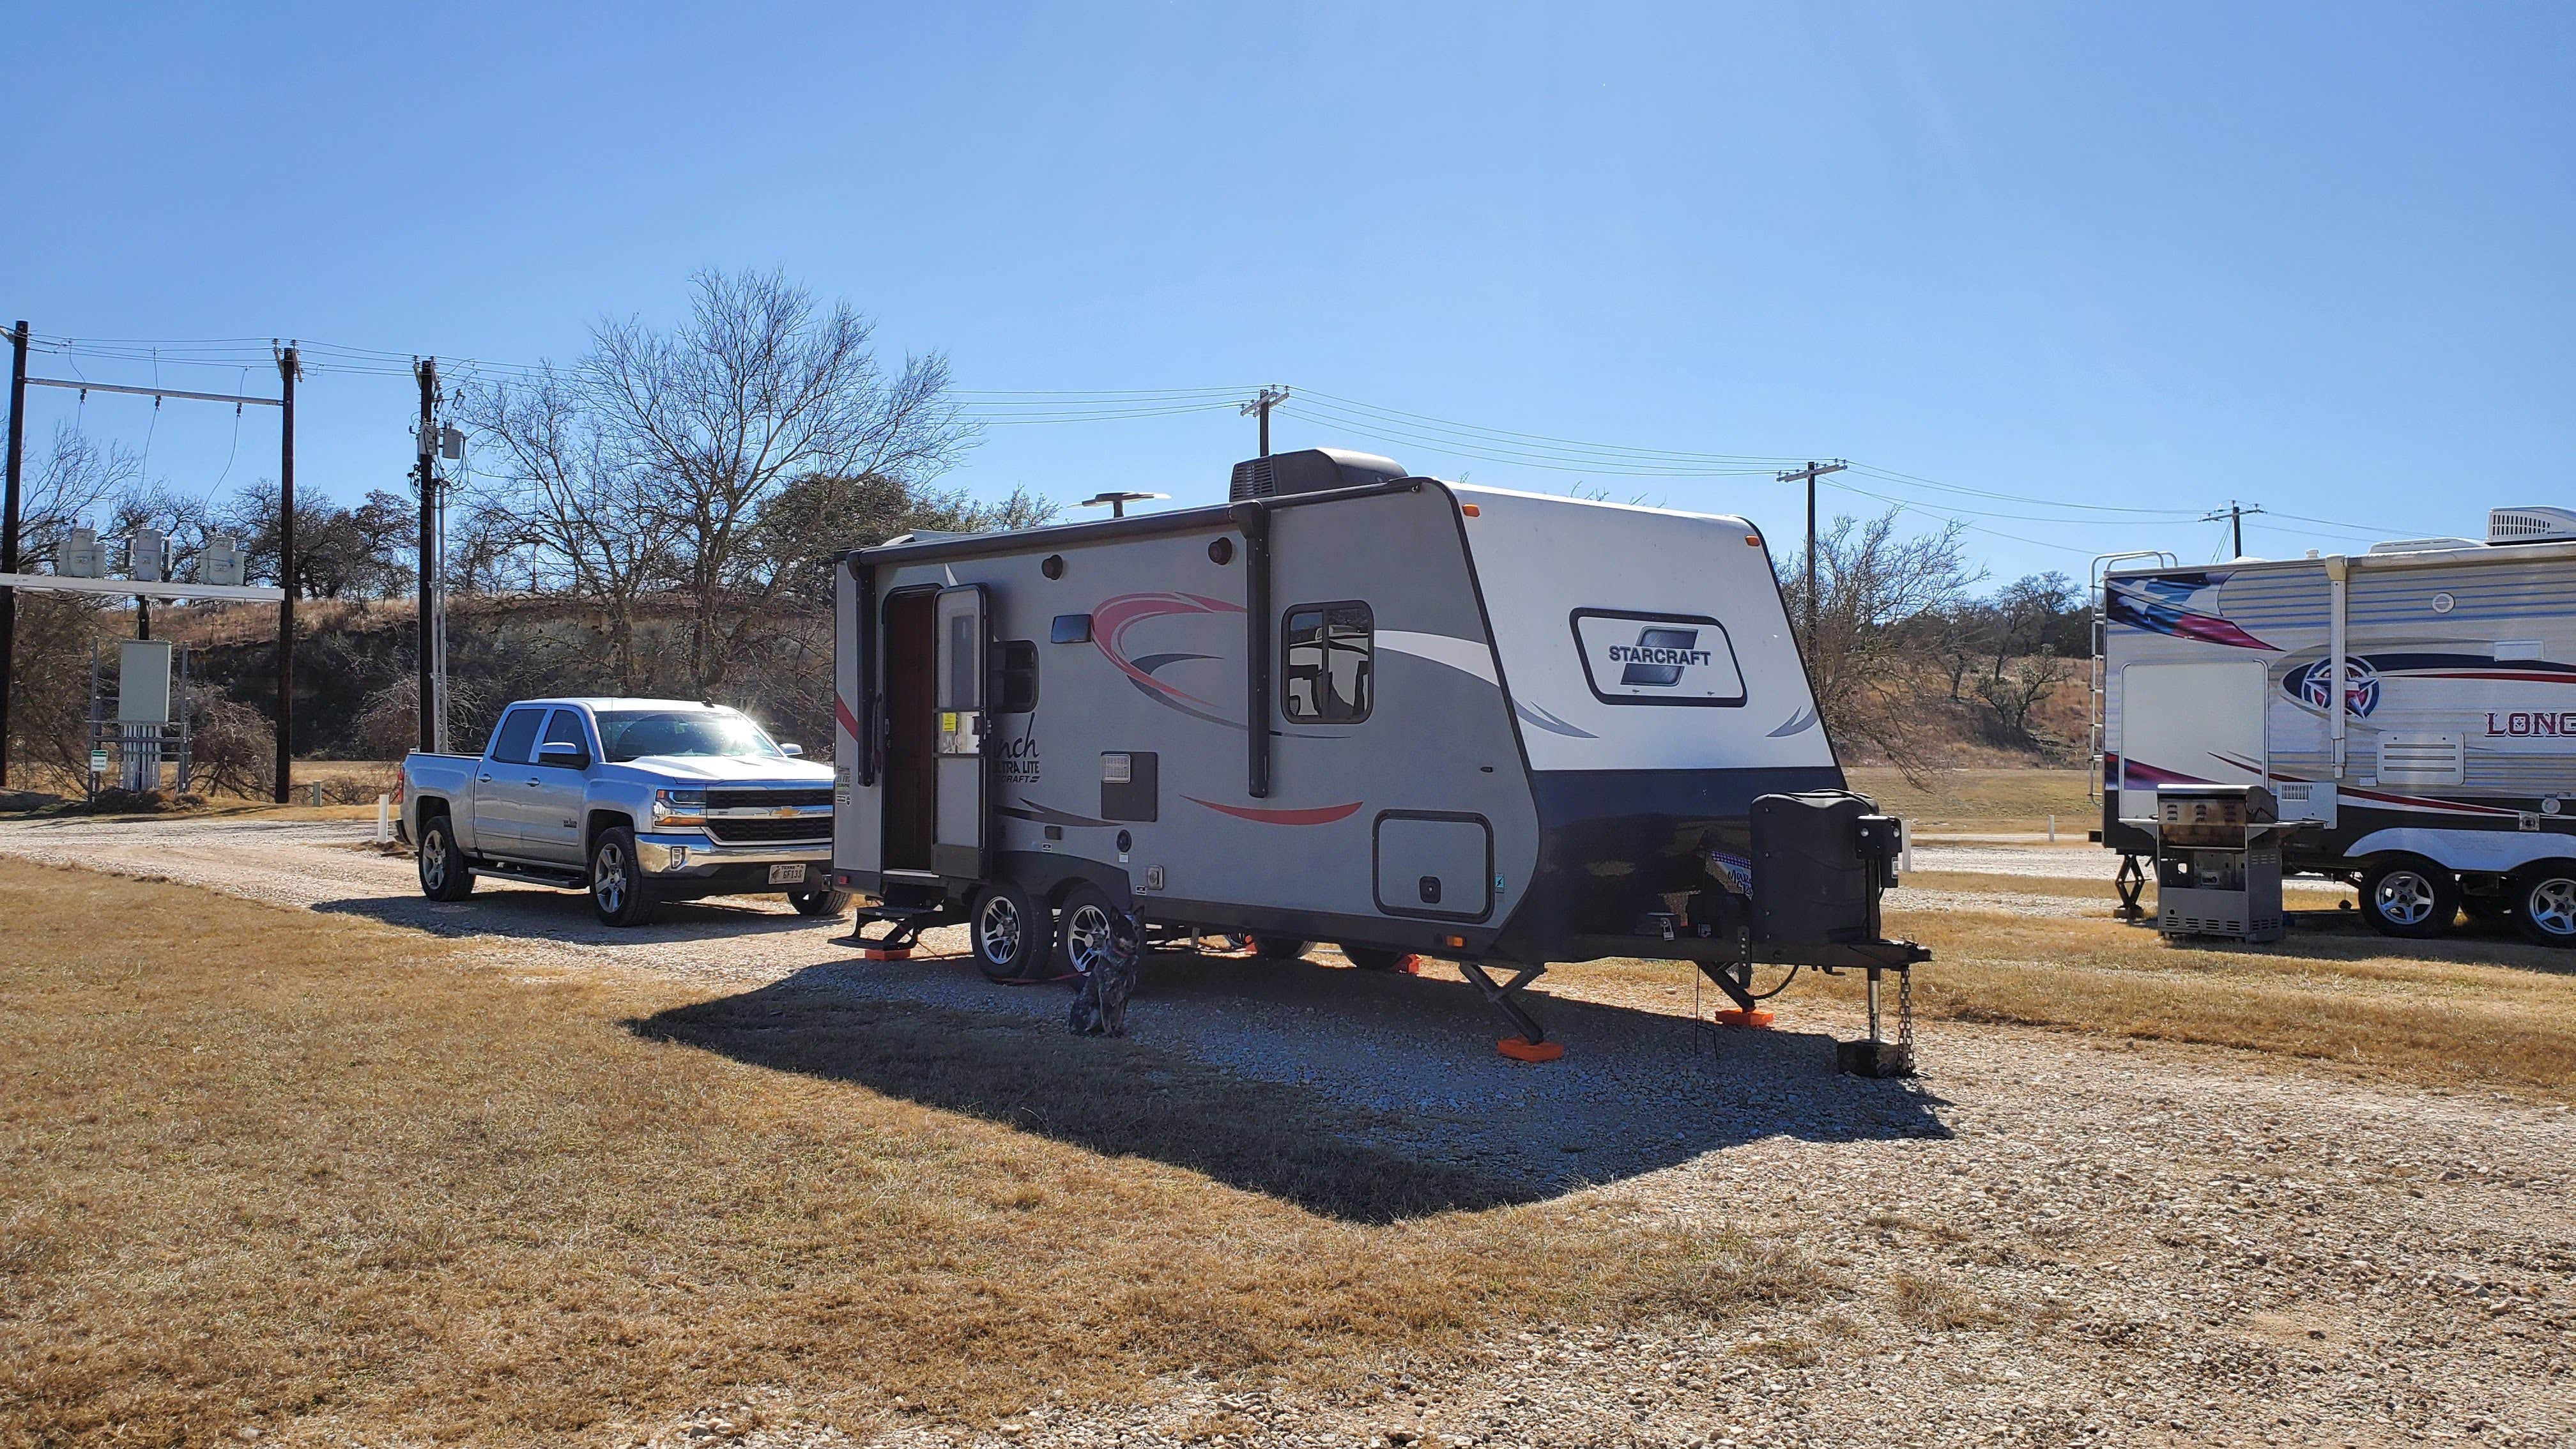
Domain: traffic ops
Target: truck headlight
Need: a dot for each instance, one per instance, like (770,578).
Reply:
(679,807)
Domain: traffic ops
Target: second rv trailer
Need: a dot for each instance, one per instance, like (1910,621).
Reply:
(2413,709)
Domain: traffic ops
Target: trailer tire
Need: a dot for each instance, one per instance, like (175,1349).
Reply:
(1090,930)
(826,903)
(2409,897)
(1011,932)
(1382,958)
(1280,948)
(2544,903)
(445,875)
(618,891)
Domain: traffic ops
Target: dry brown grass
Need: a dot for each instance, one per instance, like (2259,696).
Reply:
(269,1168)
(2438,1013)
(1984,799)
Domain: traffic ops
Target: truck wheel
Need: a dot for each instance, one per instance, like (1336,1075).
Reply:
(2409,897)
(1092,931)
(2544,903)
(444,875)
(1281,948)
(1383,958)
(820,903)
(617,888)
(1011,931)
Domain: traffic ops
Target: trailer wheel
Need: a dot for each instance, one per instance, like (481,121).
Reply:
(1382,958)
(2409,897)
(1090,933)
(1280,948)
(1011,931)
(444,875)
(2544,903)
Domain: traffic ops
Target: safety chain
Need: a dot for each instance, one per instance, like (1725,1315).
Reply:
(1905,1011)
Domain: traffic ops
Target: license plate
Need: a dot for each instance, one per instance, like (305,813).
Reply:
(787,875)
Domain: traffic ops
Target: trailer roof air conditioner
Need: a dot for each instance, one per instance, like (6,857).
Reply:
(1312,470)
(2530,525)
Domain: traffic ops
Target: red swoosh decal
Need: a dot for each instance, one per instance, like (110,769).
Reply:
(1320,815)
(849,721)
(1111,618)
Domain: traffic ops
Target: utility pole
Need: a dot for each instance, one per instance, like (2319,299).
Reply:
(1808,475)
(425,473)
(9,530)
(2234,513)
(1262,403)
(288,369)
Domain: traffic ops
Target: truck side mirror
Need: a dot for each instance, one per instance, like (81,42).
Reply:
(563,756)
(791,751)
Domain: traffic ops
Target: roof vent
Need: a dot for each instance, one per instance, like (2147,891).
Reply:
(1312,470)
(2530,525)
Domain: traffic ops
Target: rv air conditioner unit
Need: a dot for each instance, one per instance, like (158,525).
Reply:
(1312,470)
(2530,525)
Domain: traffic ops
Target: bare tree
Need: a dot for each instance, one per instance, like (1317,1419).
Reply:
(576,500)
(71,483)
(1870,686)
(757,389)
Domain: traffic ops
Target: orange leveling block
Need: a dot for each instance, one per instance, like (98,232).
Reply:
(885,953)
(1522,1049)
(1754,1017)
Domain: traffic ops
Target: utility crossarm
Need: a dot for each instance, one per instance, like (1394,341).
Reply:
(230,397)
(132,588)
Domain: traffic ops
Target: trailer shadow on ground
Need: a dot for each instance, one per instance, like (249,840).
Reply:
(538,913)
(1360,1097)
(2344,936)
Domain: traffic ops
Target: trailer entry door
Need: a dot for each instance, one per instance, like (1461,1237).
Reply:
(960,828)
(2190,723)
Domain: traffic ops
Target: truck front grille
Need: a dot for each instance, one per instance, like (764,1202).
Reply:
(768,799)
(740,831)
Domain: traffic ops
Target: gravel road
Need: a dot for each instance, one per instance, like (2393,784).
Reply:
(2042,1240)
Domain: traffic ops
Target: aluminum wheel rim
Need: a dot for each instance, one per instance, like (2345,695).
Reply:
(1089,938)
(997,930)
(2405,897)
(2552,906)
(433,860)
(609,878)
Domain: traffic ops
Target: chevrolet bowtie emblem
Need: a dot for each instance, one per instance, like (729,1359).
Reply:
(785,812)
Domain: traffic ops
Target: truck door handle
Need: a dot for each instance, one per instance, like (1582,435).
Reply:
(486,779)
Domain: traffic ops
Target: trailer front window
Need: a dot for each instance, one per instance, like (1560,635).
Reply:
(1326,663)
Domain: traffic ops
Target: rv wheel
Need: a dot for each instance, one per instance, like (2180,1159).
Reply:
(1092,931)
(2409,897)
(1281,948)
(1011,932)
(2544,903)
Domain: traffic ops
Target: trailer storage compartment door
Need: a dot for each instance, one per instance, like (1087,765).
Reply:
(1435,864)
(2190,724)
(959,830)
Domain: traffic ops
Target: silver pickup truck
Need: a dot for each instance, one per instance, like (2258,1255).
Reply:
(636,801)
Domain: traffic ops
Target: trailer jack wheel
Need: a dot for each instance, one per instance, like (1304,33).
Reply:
(1532,1044)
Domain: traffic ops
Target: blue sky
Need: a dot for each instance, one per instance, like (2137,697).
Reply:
(2146,258)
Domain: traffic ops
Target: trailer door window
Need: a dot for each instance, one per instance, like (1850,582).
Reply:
(1327,663)
(1015,676)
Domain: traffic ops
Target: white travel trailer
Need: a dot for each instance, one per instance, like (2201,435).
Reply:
(2440,776)
(1483,725)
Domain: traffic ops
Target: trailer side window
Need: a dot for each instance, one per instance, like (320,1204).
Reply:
(1015,676)
(1326,661)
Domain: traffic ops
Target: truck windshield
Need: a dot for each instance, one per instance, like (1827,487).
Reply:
(631,734)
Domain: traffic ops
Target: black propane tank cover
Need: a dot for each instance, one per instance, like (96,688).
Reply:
(1812,883)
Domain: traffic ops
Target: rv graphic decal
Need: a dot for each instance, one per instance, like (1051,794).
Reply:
(1657,658)
(1317,815)
(2167,605)
(1113,617)
(2309,685)
(1031,810)
(1533,714)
